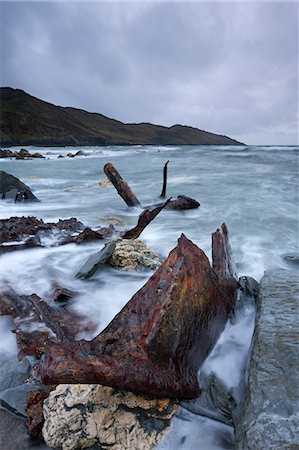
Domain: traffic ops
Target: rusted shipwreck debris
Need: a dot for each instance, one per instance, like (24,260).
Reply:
(181,203)
(49,324)
(158,341)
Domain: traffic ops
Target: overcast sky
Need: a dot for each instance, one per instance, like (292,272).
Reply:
(229,68)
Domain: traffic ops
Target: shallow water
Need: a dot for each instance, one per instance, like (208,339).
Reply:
(253,189)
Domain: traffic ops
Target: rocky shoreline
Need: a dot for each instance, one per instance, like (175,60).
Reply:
(142,369)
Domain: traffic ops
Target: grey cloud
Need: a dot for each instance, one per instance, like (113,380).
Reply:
(231,68)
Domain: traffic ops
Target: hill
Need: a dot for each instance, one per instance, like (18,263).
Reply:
(26,120)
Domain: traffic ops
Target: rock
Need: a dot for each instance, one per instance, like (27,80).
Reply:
(5,153)
(87,235)
(34,411)
(133,255)
(71,224)
(292,260)
(270,417)
(14,399)
(22,154)
(62,294)
(13,373)
(12,187)
(78,416)
(13,432)
(29,231)
(249,286)
(95,261)
(158,341)
(80,153)
(38,324)
(182,203)
(113,220)
(215,402)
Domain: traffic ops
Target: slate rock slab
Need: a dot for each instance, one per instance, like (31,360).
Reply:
(270,417)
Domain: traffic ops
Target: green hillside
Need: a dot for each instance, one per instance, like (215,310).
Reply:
(26,120)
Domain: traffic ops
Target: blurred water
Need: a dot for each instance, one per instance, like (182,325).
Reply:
(253,189)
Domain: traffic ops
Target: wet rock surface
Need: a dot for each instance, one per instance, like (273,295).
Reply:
(78,416)
(13,432)
(270,417)
(39,325)
(26,232)
(14,189)
(21,154)
(133,255)
(160,338)
(34,411)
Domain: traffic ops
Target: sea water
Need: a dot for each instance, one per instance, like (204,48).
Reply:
(252,189)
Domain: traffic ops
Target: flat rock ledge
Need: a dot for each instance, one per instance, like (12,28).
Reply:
(81,415)
(133,254)
(270,417)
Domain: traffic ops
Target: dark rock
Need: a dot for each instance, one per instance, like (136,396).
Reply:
(249,286)
(158,341)
(13,373)
(80,153)
(22,154)
(62,294)
(270,416)
(71,224)
(47,324)
(88,235)
(14,399)
(95,261)
(5,153)
(182,203)
(30,230)
(34,411)
(8,185)
(215,402)
(13,432)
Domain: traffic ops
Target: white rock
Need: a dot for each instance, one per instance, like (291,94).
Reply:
(79,416)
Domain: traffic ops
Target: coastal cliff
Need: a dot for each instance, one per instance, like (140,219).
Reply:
(26,120)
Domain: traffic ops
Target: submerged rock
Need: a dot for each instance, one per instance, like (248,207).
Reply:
(158,341)
(270,417)
(292,260)
(78,416)
(12,188)
(133,255)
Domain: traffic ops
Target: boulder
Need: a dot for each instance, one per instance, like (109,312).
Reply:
(78,416)
(133,255)
(12,188)
(21,154)
(270,416)
(158,341)
(34,411)
(5,153)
